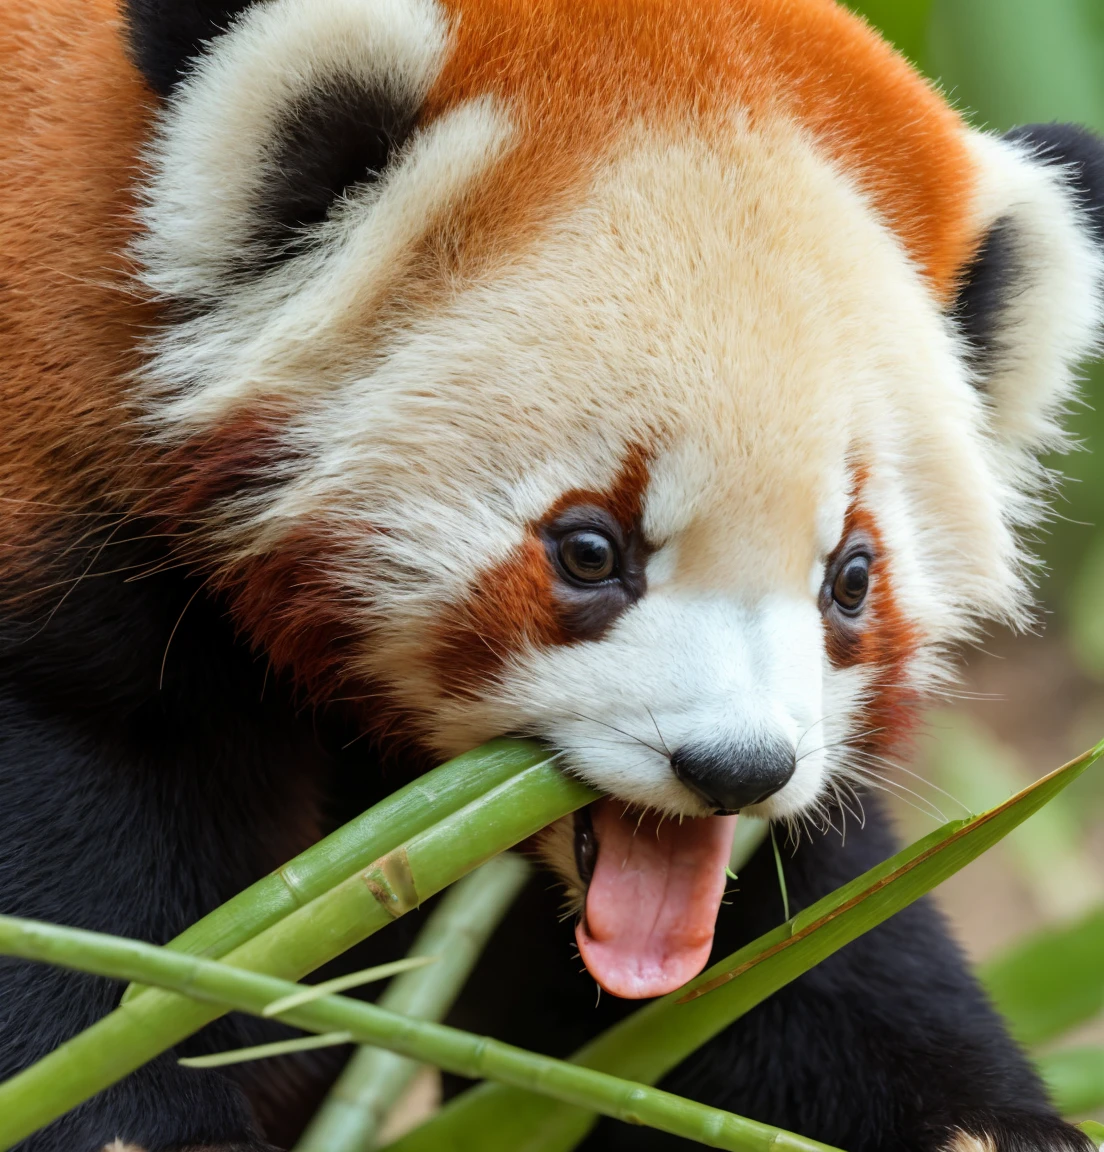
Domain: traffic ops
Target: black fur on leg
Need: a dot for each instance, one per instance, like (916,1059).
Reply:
(149,771)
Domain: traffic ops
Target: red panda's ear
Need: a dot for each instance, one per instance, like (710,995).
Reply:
(1030,304)
(267,126)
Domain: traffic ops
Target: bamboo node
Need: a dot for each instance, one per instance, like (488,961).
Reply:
(391,882)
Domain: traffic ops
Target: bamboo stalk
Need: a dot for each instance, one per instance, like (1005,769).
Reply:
(460,1052)
(355,845)
(147,1025)
(456,934)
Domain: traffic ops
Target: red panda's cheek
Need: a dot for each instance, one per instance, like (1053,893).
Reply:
(290,603)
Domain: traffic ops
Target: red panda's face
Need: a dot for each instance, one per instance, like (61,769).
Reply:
(667,453)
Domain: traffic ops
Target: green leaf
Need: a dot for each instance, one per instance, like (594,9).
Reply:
(1075,1077)
(1025,986)
(655,1039)
(1094,1132)
(351,980)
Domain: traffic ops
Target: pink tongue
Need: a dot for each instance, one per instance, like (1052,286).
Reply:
(653,899)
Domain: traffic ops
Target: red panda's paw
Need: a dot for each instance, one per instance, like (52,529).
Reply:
(1010,1133)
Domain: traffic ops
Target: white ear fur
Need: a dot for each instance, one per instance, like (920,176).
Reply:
(1049,316)
(211,155)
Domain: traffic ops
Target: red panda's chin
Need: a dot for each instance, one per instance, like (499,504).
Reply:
(653,899)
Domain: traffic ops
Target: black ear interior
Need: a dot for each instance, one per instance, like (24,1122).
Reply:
(991,280)
(341,135)
(166,34)
(1001,269)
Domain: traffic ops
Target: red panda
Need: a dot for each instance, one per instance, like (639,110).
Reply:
(662,380)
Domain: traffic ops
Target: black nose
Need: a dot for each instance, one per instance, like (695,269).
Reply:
(731,779)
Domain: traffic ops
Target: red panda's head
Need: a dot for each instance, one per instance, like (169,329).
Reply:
(656,378)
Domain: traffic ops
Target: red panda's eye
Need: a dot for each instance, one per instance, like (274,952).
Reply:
(588,556)
(851,583)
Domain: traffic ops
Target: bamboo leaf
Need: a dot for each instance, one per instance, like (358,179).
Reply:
(655,1039)
(457,931)
(265,1051)
(1075,1078)
(449,1048)
(304,940)
(1023,986)
(1094,1131)
(351,980)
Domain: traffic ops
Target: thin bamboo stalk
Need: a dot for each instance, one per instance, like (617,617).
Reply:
(267,1051)
(456,934)
(355,845)
(460,1052)
(147,1025)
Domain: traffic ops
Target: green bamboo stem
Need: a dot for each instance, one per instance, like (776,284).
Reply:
(147,1025)
(455,1051)
(456,934)
(355,845)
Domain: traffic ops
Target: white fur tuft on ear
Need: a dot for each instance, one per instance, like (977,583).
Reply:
(1035,295)
(217,142)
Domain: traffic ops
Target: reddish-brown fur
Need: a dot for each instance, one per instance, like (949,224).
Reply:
(73,115)
(293,605)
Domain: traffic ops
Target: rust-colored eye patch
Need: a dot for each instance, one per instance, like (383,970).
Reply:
(529,598)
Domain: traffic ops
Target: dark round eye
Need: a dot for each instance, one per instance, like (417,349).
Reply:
(588,556)
(852,582)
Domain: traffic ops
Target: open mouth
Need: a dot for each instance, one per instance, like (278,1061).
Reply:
(653,889)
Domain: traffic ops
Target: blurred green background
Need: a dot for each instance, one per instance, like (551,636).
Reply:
(1032,911)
